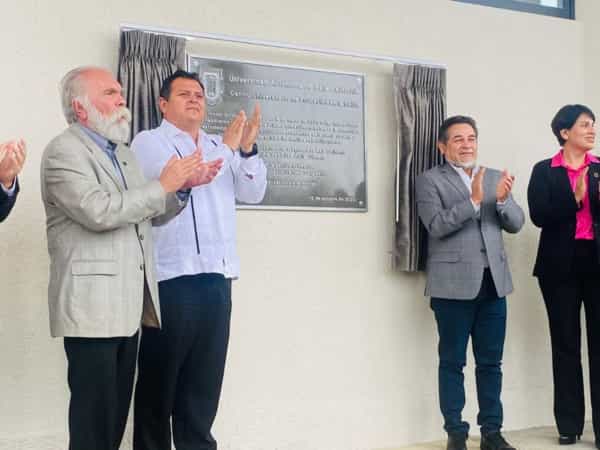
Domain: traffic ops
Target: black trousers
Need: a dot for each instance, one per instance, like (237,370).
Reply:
(100,374)
(483,320)
(181,366)
(563,299)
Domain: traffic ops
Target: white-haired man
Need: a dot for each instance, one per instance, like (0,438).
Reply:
(99,209)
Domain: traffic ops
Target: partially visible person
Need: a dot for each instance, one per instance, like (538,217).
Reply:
(465,208)
(563,202)
(12,159)
(102,284)
(181,366)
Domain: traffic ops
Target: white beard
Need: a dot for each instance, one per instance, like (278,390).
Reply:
(114,127)
(464,165)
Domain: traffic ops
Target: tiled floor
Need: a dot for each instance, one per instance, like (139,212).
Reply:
(530,439)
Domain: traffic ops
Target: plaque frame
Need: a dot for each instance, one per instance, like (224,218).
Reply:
(362,76)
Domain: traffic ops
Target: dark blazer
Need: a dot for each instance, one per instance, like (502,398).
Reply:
(7,202)
(552,207)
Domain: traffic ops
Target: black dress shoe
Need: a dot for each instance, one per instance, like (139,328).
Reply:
(568,439)
(597,443)
(457,442)
(495,441)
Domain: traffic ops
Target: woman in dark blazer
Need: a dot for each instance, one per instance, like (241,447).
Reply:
(563,202)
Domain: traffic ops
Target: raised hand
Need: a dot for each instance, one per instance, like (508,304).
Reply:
(581,185)
(251,130)
(207,171)
(477,187)
(3,150)
(11,164)
(504,186)
(232,136)
(177,171)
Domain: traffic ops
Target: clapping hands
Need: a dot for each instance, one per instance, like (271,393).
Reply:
(581,185)
(205,172)
(241,132)
(12,159)
(504,186)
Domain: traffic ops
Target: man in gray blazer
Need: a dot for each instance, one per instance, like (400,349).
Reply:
(464,208)
(102,284)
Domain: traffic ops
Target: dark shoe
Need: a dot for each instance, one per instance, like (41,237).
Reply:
(457,442)
(495,441)
(597,443)
(568,439)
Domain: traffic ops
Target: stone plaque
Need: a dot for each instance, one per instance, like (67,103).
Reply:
(312,135)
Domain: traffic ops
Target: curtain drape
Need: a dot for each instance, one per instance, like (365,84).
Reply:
(420,101)
(145,60)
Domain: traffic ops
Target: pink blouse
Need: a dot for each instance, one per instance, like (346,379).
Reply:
(583,228)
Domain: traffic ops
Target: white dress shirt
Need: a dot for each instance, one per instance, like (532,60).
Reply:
(202,238)
(467,180)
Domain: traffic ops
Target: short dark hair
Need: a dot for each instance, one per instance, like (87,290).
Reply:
(454,120)
(165,89)
(566,117)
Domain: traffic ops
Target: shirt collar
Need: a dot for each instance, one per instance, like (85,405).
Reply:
(172,131)
(558,160)
(100,140)
(462,172)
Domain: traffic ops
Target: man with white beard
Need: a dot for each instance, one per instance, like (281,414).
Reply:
(100,210)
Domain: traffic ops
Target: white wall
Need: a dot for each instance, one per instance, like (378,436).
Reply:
(330,348)
(588,12)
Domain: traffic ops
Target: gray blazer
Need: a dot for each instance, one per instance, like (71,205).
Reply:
(456,241)
(100,238)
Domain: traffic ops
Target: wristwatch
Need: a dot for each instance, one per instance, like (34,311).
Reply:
(252,153)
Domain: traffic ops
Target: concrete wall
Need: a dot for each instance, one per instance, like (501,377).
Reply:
(330,348)
(588,13)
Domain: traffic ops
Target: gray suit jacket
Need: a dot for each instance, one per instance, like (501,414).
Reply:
(456,241)
(100,238)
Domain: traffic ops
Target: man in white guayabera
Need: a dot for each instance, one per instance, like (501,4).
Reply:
(181,366)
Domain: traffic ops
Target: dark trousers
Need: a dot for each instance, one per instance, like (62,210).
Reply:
(484,320)
(563,299)
(100,375)
(181,366)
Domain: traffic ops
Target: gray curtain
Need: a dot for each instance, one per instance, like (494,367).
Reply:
(145,60)
(420,100)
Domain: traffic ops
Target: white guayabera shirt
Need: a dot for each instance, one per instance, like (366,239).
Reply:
(202,238)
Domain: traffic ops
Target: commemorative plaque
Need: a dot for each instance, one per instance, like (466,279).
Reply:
(312,133)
